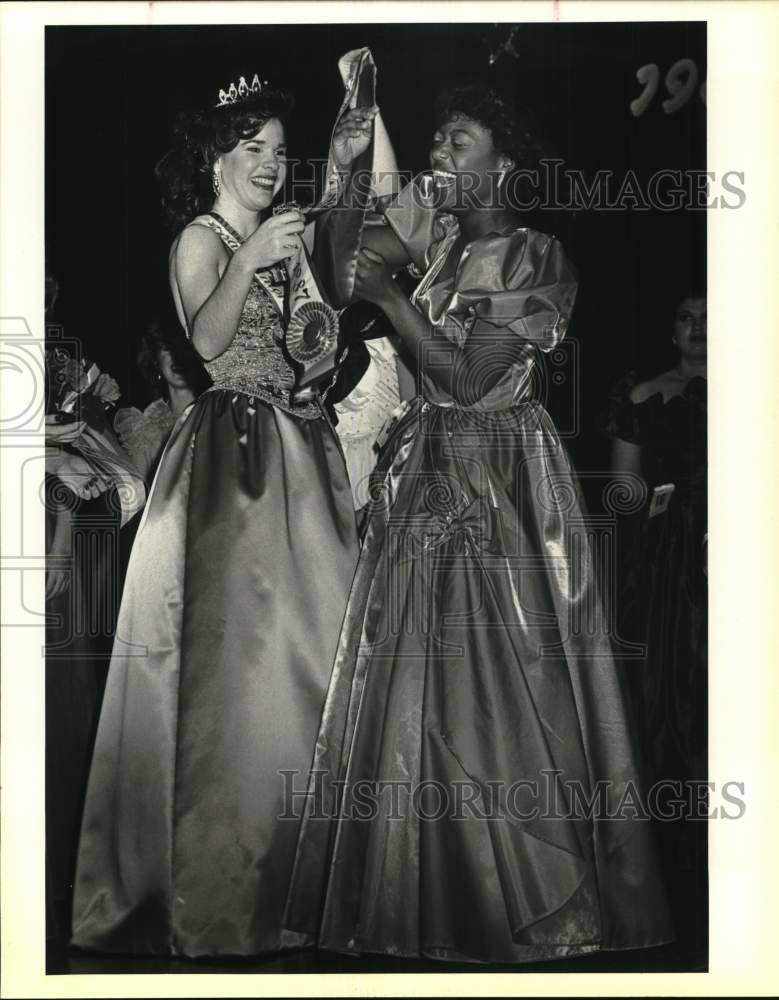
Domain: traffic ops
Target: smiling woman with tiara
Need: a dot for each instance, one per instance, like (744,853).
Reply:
(236,586)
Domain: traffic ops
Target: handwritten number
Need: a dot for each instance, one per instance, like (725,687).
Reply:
(649,76)
(681,81)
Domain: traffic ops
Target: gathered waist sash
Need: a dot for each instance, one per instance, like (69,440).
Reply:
(271,395)
(527,411)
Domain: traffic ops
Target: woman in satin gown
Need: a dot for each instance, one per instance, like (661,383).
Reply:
(659,433)
(235,591)
(473,655)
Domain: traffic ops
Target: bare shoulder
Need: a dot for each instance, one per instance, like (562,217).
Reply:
(197,245)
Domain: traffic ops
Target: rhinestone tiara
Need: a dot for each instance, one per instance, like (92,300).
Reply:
(234,94)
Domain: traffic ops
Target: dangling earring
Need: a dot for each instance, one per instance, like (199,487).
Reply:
(501,179)
(215,184)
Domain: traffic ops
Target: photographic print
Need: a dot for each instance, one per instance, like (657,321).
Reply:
(375,488)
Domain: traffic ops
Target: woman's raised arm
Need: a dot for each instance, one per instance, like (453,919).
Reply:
(351,137)
(212,304)
(382,240)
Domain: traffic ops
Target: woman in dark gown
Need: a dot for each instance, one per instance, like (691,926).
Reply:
(473,654)
(235,590)
(659,433)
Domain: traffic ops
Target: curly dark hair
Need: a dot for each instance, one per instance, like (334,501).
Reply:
(199,138)
(685,279)
(509,128)
(166,335)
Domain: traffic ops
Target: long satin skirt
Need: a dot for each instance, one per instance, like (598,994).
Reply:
(233,602)
(473,713)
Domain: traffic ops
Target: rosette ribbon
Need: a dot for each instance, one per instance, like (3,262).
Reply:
(341,215)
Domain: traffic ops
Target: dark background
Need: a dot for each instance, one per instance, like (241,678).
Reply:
(112,95)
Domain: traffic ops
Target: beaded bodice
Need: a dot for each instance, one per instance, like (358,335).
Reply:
(255,362)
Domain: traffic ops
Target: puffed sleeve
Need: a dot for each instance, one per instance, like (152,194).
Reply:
(415,221)
(622,417)
(524,283)
(627,421)
(142,435)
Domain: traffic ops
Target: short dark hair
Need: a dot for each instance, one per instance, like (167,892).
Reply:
(689,284)
(167,335)
(199,138)
(509,128)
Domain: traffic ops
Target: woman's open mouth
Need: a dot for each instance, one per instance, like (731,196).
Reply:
(263,182)
(443,178)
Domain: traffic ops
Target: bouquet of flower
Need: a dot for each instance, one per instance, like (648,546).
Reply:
(82,449)
(78,389)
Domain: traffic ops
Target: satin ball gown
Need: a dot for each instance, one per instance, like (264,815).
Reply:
(233,602)
(474,662)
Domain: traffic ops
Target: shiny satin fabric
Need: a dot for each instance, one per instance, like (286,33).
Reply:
(519,281)
(234,596)
(338,233)
(474,653)
(460,660)
(372,174)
